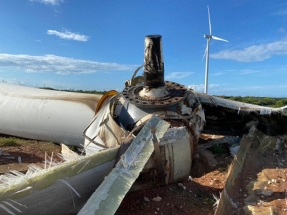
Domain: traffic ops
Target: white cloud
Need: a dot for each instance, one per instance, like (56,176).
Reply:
(200,87)
(57,64)
(67,35)
(197,87)
(178,75)
(52,2)
(281,12)
(248,71)
(213,85)
(254,53)
(258,71)
(219,73)
(282,30)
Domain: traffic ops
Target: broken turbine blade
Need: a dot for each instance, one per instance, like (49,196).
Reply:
(217,38)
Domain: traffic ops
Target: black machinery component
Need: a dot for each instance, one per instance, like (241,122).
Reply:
(153,62)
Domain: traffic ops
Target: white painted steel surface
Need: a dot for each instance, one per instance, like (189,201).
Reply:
(48,115)
(177,153)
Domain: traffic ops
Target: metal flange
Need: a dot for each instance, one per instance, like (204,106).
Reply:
(175,93)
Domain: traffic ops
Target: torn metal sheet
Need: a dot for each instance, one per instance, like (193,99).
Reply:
(103,132)
(109,195)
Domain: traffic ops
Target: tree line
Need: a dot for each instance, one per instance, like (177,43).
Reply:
(75,91)
(263,101)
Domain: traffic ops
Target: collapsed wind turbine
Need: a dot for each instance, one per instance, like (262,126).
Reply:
(206,53)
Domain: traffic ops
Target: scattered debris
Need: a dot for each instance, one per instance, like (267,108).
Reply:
(267,193)
(3,153)
(181,186)
(157,199)
(146,199)
(208,158)
(10,158)
(216,200)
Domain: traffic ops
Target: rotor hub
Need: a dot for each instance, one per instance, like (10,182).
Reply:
(154,92)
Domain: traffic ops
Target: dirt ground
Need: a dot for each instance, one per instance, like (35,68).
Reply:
(196,195)
(189,197)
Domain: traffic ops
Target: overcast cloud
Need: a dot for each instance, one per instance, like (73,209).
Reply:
(57,64)
(254,53)
(68,35)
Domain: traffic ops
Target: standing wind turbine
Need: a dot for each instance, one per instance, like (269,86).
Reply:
(206,54)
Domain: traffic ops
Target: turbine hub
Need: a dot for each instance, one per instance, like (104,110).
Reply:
(154,92)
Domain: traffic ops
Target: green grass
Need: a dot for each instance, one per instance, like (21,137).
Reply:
(10,141)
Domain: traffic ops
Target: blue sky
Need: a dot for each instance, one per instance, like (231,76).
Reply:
(96,45)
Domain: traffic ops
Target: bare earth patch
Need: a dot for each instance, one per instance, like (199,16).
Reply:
(21,152)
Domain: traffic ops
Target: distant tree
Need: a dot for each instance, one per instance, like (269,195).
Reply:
(238,98)
(262,101)
(281,103)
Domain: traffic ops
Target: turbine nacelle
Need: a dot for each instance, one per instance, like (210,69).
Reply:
(207,36)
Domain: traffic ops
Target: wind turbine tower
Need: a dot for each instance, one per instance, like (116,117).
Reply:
(206,54)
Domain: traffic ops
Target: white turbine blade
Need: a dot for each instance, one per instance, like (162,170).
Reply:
(204,55)
(217,38)
(209,20)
